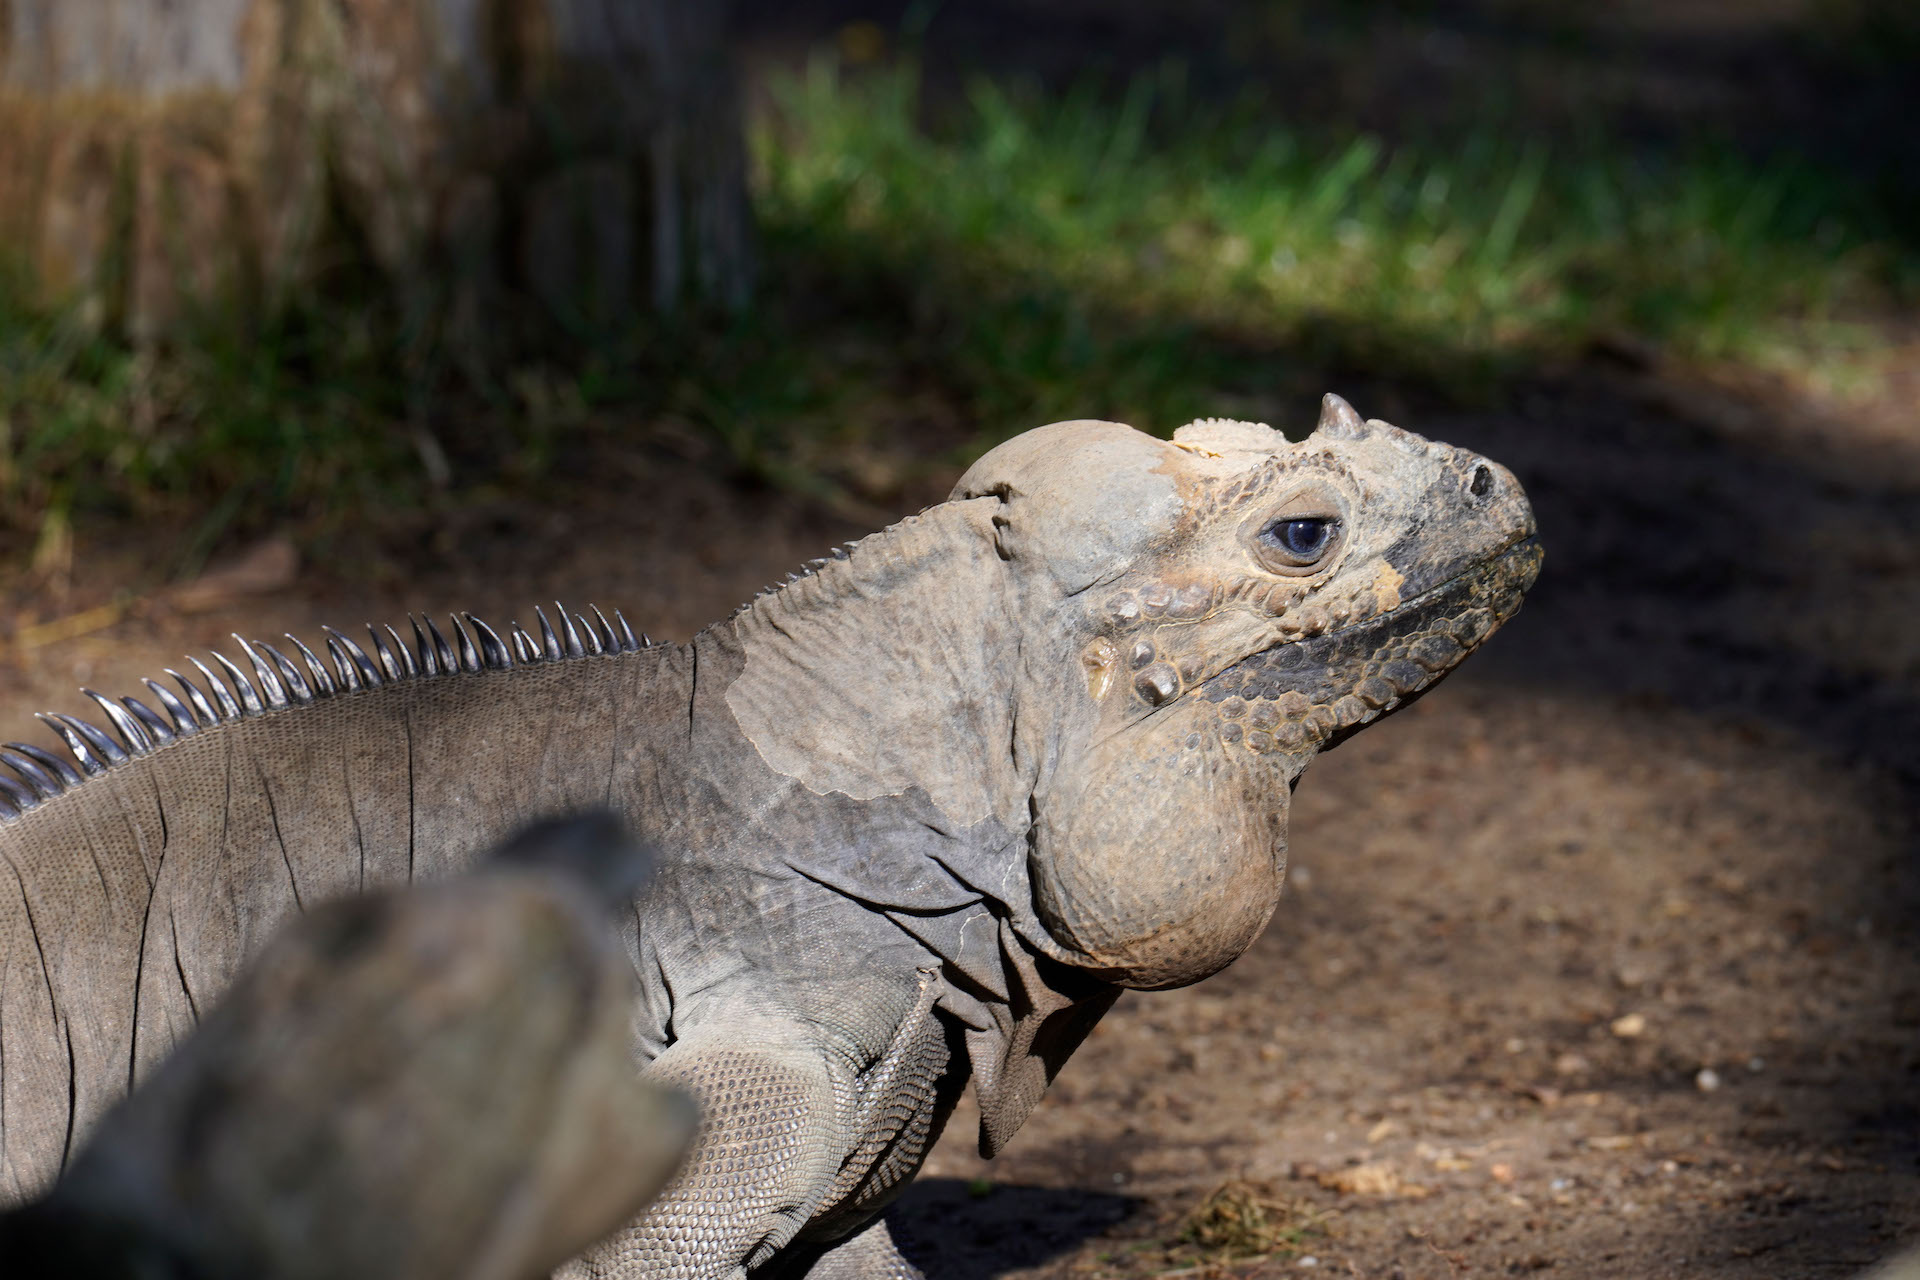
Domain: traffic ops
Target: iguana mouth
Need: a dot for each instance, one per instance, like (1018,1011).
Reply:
(1310,694)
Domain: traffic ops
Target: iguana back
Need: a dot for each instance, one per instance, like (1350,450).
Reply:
(128,903)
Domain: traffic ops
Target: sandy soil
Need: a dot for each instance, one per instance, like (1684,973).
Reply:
(1600,960)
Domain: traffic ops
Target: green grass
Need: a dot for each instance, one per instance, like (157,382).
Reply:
(938,279)
(1420,257)
(226,430)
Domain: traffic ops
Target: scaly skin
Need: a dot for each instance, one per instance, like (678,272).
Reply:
(924,812)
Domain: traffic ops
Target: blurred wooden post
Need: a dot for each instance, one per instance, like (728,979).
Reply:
(160,158)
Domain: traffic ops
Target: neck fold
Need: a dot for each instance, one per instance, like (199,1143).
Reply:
(892,670)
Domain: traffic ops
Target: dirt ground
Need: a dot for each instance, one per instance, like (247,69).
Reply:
(1599,961)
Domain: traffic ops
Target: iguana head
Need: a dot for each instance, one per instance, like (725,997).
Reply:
(1223,607)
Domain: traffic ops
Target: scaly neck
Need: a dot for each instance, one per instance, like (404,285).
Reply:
(893,669)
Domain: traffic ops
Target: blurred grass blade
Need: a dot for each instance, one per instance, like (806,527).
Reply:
(1522,190)
(1331,190)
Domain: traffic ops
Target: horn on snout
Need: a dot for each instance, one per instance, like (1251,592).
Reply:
(1339,420)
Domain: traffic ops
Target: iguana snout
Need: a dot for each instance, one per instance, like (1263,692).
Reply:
(1243,602)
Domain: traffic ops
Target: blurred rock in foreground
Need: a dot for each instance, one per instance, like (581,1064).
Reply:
(435,1082)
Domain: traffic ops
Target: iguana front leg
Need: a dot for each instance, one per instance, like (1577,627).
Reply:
(800,1128)
(766,1153)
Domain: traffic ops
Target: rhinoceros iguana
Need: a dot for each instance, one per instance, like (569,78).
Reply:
(925,810)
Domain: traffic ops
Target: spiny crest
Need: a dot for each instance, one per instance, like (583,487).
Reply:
(807,570)
(889,537)
(278,682)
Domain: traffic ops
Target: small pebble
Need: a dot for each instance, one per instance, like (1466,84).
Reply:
(1309,1261)
(1707,1081)
(1629,1026)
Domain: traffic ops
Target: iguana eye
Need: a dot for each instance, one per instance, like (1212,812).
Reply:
(1299,535)
(1298,542)
(1305,539)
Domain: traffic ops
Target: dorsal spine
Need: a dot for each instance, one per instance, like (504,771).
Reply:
(135,729)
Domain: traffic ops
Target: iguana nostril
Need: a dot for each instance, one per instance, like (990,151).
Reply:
(1482,481)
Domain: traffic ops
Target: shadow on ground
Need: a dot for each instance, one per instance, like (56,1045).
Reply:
(962,1230)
